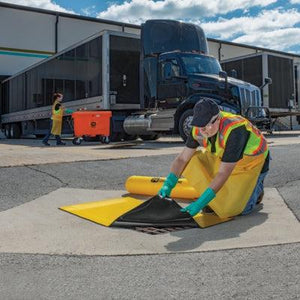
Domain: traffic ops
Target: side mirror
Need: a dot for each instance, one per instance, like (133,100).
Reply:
(233,73)
(268,80)
(168,71)
(223,74)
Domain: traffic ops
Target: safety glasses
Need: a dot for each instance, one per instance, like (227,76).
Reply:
(209,125)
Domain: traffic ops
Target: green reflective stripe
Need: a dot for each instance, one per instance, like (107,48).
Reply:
(255,139)
(57,111)
(24,54)
(194,135)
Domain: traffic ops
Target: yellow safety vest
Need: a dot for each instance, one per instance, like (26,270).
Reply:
(256,144)
(56,114)
(57,117)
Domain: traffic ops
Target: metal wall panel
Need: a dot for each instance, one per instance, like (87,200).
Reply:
(282,88)
(248,69)
(26,30)
(72,31)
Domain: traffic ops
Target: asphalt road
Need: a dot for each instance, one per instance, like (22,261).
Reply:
(271,272)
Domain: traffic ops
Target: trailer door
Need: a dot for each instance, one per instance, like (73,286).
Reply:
(124,69)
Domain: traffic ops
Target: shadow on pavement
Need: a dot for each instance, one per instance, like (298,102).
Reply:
(193,238)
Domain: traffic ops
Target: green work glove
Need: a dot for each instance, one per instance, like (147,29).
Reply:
(200,203)
(68,111)
(168,185)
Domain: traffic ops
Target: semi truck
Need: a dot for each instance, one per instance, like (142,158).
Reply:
(150,83)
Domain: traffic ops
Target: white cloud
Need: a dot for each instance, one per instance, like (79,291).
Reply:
(266,21)
(89,11)
(270,28)
(43,4)
(278,39)
(295,1)
(137,11)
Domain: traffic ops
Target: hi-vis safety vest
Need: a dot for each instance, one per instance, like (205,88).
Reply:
(56,114)
(256,144)
(232,198)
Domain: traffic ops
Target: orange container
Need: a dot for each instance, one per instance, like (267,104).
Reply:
(91,123)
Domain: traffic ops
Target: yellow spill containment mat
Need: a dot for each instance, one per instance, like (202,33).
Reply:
(106,212)
(103,212)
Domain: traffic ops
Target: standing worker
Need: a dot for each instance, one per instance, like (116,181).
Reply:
(56,120)
(229,172)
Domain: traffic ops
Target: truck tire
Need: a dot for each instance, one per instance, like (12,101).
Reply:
(151,137)
(7,131)
(184,125)
(15,131)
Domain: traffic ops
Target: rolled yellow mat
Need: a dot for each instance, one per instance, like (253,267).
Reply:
(144,185)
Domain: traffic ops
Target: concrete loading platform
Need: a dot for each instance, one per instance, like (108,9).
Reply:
(39,227)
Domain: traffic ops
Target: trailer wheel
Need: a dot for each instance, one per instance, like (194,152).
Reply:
(7,131)
(15,131)
(77,141)
(185,124)
(151,137)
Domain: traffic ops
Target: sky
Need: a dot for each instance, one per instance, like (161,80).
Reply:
(273,24)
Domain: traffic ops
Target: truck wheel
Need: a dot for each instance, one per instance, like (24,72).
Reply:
(185,124)
(15,131)
(151,137)
(7,131)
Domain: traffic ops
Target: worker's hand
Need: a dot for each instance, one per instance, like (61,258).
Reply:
(168,185)
(200,203)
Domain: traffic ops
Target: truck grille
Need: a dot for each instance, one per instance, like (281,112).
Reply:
(249,98)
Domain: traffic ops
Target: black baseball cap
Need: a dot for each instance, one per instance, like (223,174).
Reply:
(204,110)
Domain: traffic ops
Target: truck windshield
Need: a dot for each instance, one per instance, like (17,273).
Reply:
(201,64)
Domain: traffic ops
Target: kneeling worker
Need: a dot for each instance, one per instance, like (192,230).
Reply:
(229,172)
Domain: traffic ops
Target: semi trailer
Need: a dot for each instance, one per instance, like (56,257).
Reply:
(150,83)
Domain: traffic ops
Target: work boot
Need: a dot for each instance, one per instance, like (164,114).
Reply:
(61,144)
(46,143)
(260,198)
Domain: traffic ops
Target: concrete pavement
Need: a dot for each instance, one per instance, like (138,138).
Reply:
(258,272)
(32,152)
(39,227)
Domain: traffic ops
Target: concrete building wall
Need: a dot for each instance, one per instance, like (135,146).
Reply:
(27,37)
